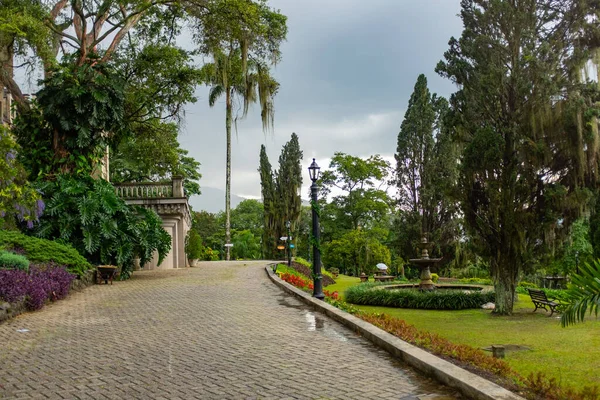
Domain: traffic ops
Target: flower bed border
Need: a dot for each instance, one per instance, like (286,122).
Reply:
(469,384)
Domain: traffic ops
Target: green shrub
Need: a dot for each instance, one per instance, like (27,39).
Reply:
(43,251)
(309,265)
(528,284)
(435,278)
(477,281)
(367,294)
(302,261)
(193,245)
(284,269)
(13,261)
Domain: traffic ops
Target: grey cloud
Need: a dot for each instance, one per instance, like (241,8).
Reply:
(348,70)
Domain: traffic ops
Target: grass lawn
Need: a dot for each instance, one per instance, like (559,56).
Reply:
(343,282)
(571,355)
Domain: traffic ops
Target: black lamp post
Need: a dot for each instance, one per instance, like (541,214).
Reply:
(289,249)
(314,170)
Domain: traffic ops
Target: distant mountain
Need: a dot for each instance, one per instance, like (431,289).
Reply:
(213,200)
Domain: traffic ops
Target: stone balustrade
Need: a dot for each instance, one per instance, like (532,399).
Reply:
(151,190)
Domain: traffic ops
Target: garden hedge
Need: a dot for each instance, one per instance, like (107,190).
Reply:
(374,295)
(40,251)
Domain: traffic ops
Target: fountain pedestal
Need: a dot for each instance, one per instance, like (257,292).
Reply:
(424,263)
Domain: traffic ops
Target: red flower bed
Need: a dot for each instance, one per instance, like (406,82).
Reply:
(305,284)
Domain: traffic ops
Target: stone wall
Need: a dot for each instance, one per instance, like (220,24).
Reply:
(88,279)
(11,310)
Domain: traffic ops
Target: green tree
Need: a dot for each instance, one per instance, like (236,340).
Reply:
(364,201)
(267,184)
(248,216)
(288,183)
(211,230)
(246,245)
(355,252)
(160,78)
(426,172)
(153,154)
(67,130)
(242,50)
(519,89)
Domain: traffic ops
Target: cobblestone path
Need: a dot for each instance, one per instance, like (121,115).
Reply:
(217,331)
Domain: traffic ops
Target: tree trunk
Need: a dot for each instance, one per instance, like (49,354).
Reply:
(228,174)
(504,285)
(6,73)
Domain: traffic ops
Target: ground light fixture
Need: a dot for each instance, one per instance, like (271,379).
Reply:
(313,171)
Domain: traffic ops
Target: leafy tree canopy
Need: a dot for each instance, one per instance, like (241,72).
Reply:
(363,181)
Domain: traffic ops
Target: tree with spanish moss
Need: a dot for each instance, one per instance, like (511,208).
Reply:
(525,116)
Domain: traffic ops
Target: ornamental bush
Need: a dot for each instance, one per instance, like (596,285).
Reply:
(193,245)
(13,261)
(371,295)
(41,251)
(48,283)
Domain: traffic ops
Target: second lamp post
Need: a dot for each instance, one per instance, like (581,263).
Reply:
(289,242)
(313,171)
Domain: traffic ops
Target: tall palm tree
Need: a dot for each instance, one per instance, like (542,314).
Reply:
(242,81)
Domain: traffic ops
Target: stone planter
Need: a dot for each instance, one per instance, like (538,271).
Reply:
(136,264)
(193,262)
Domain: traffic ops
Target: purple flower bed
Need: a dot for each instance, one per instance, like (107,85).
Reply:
(50,282)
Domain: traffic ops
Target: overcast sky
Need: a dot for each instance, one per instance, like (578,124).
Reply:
(348,69)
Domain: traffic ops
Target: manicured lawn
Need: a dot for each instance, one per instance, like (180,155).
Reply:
(571,355)
(343,282)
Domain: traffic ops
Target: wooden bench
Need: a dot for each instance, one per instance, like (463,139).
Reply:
(540,300)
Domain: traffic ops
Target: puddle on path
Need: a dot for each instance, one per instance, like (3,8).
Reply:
(317,323)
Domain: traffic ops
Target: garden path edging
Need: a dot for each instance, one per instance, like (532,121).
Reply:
(471,385)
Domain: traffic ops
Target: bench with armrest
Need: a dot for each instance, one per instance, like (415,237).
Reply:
(540,300)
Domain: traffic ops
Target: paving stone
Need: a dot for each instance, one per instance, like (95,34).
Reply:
(220,330)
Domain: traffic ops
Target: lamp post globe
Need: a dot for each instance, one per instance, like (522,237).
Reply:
(313,171)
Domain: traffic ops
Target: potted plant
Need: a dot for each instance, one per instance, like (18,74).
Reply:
(193,247)
(335,272)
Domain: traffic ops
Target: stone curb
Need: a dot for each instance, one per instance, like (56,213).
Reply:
(469,384)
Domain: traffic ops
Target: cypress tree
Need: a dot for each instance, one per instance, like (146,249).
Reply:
(289,183)
(267,184)
(426,166)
